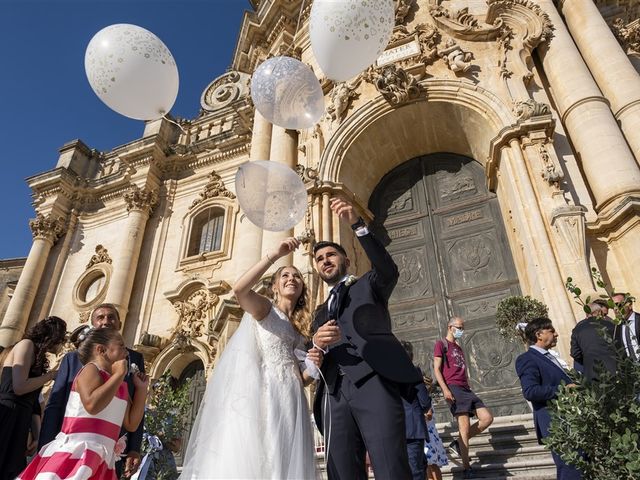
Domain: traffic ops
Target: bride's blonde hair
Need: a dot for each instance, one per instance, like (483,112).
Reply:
(301,316)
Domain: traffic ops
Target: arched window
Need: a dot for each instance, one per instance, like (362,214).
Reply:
(206,232)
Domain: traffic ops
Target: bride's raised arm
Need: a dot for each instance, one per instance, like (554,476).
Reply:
(251,302)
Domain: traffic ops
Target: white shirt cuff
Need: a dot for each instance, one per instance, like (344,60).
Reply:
(362,231)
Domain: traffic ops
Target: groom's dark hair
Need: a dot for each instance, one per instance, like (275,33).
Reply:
(325,244)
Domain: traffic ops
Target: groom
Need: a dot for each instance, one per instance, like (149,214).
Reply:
(365,366)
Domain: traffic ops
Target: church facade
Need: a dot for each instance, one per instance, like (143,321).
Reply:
(494,147)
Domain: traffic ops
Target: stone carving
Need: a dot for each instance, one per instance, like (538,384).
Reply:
(551,170)
(47,228)
(429,37)
(452,187)
(401,204)
(101,256)
(193,316)
(395,84)
(493,359)
(475,254)
(142,200)
(540,28)
(306,174)
(341,99)
(456,59)
(462,17)
(214,188)
(527,109)
(628,35)
(410,269)
(83,317)
(224,90)
(522,26)
(402,10)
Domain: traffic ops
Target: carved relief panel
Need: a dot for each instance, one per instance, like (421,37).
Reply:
(444,231)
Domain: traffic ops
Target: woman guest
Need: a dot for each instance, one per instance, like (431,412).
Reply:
(25,371)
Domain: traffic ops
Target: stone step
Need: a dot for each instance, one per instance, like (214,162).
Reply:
(507,449)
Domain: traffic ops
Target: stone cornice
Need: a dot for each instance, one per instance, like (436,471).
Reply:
(610,219)
(516,131)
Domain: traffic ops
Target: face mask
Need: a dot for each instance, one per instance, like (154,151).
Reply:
(457,333)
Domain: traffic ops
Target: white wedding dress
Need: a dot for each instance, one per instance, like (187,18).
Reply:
(254,422)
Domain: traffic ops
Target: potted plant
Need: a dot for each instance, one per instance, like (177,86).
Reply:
(516,311)
(164,421)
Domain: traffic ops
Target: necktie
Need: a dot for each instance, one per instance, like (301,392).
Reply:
(554,360)
(332,303)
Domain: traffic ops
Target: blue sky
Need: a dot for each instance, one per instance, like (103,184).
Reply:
(46,100)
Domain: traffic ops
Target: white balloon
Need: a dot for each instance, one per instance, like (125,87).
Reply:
(271,195)
(287,93)
(349,35)
(132,71)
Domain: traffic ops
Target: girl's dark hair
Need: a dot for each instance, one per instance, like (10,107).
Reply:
(96,336)
(45,335)
(534,326)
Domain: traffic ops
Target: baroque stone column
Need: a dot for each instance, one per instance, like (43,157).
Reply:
(45,231)
(609,64)
(284,149)
(249,236)
(608,163)
(140,203)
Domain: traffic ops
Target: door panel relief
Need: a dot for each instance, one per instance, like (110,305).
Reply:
(445,233)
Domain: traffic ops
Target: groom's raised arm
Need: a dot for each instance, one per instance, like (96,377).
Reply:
(384,272)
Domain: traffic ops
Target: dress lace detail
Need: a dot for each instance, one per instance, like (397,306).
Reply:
(278,339)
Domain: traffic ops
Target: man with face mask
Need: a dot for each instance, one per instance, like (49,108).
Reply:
(450,370)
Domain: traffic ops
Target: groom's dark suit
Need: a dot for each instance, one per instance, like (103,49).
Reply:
(540,378)
(366,372)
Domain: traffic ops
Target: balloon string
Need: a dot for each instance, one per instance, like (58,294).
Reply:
(175,123)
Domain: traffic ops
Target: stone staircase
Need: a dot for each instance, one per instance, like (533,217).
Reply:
(507,449)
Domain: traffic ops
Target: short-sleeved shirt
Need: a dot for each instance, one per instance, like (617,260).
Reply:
(454,368)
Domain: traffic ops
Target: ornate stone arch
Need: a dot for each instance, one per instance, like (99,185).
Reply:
(176,359)
(454,116)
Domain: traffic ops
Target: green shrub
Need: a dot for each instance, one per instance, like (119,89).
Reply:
(517,309)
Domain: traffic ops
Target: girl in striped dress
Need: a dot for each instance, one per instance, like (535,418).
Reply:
(98,407)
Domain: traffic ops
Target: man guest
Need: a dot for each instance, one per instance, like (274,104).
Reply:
(103,316)
(365,366)
(540,375)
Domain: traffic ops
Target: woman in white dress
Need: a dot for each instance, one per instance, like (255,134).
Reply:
(254,420)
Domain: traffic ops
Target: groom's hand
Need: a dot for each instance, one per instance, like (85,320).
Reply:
(327,335)
(344,210)
(316,356)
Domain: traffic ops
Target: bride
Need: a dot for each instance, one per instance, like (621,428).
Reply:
(254,422)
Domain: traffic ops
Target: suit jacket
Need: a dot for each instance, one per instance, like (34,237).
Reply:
(589,347)
(539,378)
(367,345)
(55,408)
(415,423)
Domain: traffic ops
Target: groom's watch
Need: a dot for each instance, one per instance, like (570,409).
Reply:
(359,224)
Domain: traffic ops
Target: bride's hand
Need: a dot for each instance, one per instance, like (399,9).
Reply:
(316,356)
(287,246)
